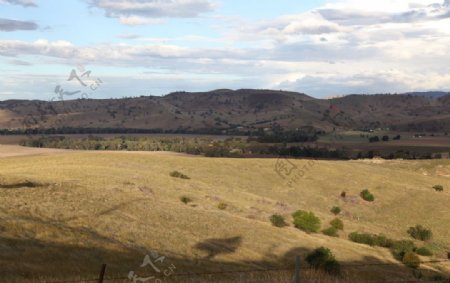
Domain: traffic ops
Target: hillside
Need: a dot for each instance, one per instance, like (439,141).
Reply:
(228,111)
(64,214)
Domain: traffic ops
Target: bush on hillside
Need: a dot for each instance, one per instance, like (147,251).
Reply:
(410,259)
(323,258)
(336,210)
(306,221)
(423,251)
(177,174)
(420,233)
(438,188)
(278,220)
(367,195)
(400,248)
(331,231)
(185,199)
(222,206)
(370,239)
(337,224)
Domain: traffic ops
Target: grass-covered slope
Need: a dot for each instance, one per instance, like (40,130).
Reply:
(64,214)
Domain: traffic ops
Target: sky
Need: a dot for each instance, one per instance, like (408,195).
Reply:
(123,48)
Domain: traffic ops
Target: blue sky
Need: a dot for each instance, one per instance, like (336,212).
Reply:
(153,47)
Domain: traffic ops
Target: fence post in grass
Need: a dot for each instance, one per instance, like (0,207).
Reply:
(297,269)
(102,273)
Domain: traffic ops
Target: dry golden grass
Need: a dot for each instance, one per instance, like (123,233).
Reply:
(90,208)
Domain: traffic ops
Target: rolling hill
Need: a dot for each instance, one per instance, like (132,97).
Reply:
(63,214)
(229,111)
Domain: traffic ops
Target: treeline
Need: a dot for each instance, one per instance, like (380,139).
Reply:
(232,147)
(76,130)
(258,135)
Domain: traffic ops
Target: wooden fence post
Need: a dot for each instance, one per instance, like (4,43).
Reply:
(297,269)
(102,273)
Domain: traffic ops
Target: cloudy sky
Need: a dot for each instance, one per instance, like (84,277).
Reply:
(153,47)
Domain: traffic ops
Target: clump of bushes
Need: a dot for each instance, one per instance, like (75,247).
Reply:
(278,220)
(331,231)
(336,210)
(306,221)
(222,206)
(410,259)
(185,199)
(177,174)
(367,195)
(424,251)
(400,248)
(438,188)
(323,258)
(420,233)
(370,239)
(337,224)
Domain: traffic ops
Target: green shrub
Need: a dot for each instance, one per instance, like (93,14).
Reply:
(222,206)
(400,248)
(420,233)
(278,220)
(410,259)
(337,224)
(438,188)
(336,210)
(185,200)
(306,221)
(423,251)
(367,196)
(362,238)
(331,231)
(323,258)
(370,239)
(177,174)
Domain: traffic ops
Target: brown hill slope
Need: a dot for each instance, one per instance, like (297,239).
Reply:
(225,110)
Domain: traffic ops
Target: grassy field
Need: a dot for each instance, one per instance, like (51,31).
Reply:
(63,215)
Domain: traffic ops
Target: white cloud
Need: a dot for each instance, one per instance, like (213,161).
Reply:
(136,20)
(25,3)
(139,12)
(346,46)
(14,25)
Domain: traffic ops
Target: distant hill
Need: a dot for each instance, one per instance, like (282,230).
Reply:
(429,93)
(232,111)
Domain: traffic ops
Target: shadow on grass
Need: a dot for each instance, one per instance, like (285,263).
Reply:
(29,258)
(22,184)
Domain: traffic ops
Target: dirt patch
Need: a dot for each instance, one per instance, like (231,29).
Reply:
(16,150)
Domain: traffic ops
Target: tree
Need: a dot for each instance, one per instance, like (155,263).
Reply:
(374,139)
(324,259)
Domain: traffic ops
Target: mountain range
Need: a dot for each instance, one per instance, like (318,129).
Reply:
(232,111)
